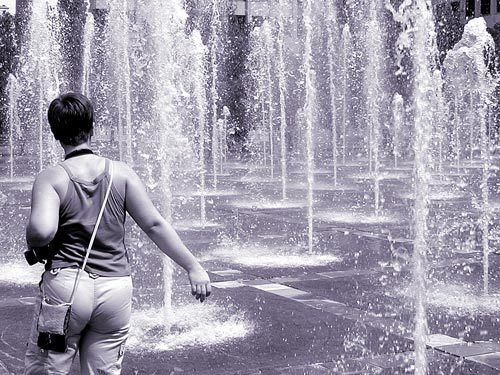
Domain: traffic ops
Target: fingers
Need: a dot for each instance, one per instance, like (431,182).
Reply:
(201,291)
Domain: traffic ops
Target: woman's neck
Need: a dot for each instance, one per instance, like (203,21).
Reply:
(69,149)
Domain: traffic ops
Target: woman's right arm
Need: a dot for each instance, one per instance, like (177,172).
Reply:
(141,209)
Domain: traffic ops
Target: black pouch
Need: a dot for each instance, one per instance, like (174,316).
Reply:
(53,326)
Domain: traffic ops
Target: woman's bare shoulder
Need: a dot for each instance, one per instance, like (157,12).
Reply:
(53,175)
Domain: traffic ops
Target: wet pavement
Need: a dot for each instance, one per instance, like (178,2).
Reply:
(324,321)
(349,314)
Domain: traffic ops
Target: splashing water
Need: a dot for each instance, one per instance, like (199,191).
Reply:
(88,36)
(262,256)
(332,31)
(310,118)
(397,119)
(419,38)
(219,325)
(12,119)
(282,96)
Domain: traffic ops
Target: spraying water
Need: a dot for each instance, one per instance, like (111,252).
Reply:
(88,36)
(200,97)
(472,122)
(257,65)
(226,114)
(457,126)
(309,111)
(39,75)
(214,46)
(420,38)
(332,32)
(441,118)
(171,151)
(268,50)
(119,39)
(346,66)
(398,119)
(282,95)
(468,65)
(12,119)
(373,82)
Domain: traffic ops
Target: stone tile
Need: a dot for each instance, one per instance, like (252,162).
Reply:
(227,284)
(293,279)
(437,339)
(339,309)
(352,367)
(490,359)
(290,293)
(402,361)
(258,282)
(228,272)
(346,273)
(390,361)
(469,349)
(267,287)
(321,304)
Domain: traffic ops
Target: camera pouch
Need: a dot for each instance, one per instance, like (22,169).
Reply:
(53,325)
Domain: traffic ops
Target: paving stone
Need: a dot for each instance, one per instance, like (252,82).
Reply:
(346,273)
(352,367)
(490,359)
(291,293)
(227,272)
(389,361)
(292,279)
(322,303)
(469,349)
(258,282)
(227,284)
(339,309)
(270,287)
(438,339)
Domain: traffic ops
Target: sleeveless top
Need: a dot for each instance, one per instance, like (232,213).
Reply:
(78,213)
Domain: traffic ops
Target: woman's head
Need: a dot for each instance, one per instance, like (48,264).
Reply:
(71,118)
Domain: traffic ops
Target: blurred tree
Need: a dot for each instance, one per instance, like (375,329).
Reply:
(8,50)
(73,18)
(449,26)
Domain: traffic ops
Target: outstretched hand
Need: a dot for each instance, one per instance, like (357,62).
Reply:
(200,283)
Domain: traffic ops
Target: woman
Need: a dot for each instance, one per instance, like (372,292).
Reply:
(66,200)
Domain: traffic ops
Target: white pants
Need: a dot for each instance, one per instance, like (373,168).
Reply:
(98,326)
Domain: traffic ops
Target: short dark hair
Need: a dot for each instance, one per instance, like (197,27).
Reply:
(71,118)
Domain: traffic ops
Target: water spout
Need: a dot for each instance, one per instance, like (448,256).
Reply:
(310,118)
(332,32)
(88,36)
(346,67)
(398,113)
(282,96)
(214,44)
(12,119)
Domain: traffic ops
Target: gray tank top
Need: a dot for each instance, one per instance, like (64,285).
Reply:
(77,216)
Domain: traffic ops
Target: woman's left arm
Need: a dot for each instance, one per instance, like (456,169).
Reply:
(44,217)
